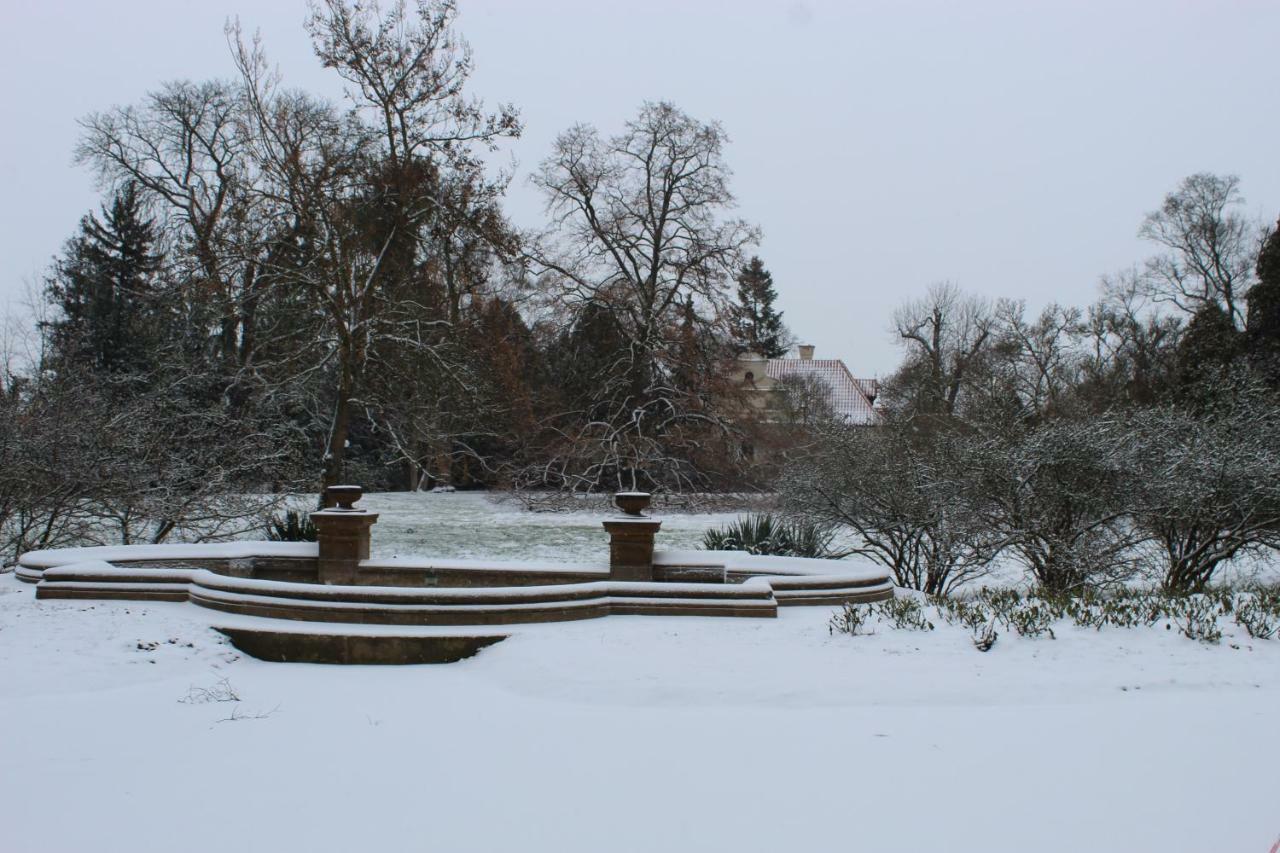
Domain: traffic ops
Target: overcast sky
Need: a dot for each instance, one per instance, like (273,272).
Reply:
(1011,147)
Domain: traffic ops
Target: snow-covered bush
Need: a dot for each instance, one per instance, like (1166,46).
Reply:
(1123,609)
(902,495)
(969,613)
(88,459)
(1207,486)
(1197,618)
(985,636)
(1257,621)
(1255,608)
(904,612)
(850,619)
(1031,620)
(1057,496)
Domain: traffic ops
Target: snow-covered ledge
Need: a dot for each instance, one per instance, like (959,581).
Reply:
(226,577)
(278,580)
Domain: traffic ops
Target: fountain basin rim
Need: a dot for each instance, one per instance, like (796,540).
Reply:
(222,577)
(735,563)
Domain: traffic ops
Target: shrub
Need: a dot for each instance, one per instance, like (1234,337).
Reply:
(1027,615)
(985,637)
(1030,619)
(850,619)
(1032,613)
(1255,620)
(902,491)
(1197,618)
(765,533)
(293,526)
(1128,609)
(1258,612)
(970,614)
(904,613)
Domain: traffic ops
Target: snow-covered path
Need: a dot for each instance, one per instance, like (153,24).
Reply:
(634,734)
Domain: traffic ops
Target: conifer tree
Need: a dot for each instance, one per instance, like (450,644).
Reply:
(693,351)
(757,325)
(106,291)
(590,359)
(1262,329)
(1208,347)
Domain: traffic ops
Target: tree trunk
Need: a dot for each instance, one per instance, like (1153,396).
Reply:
(336,452)
(248,315)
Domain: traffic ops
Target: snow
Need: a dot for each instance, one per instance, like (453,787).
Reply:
(174,551)
(856,568)
(633,734)
(627,733)
(66,570)
(587,570)
(468,525)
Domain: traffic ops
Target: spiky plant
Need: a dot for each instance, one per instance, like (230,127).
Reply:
(293,526)
(765,533)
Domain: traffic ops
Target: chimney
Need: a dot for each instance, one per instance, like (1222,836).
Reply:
(806,352)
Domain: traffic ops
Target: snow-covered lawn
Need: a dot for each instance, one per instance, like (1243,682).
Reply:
(634,734)
(469,524)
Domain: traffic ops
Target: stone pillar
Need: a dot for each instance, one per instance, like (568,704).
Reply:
(631,539)
(343,534)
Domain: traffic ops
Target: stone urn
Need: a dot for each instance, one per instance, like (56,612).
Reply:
(342,497)
(633,503)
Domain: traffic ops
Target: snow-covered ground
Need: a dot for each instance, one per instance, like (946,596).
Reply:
(633,734)
(470,524)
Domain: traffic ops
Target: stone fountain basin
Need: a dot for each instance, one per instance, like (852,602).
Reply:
(279,581)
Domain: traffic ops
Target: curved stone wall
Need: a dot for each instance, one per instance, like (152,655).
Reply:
(278,580)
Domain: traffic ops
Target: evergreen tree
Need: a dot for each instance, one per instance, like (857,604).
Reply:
(1210,344)
(694,353)
(590,360)
(1262,330)
(106,291)
(757,326)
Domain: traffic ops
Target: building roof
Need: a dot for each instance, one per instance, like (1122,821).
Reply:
(852,399)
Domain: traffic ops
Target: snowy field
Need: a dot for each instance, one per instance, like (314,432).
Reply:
(630,733)
(470,524)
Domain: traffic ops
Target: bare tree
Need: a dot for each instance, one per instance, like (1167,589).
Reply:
(806,402)
(409,67)
(310,158)
(355,198)
(1038,362)
(185,149)
(1211,246)
(1129,347)
(637,231)
(949,337)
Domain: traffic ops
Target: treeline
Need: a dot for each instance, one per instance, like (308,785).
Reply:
(281,292)
(1137,437)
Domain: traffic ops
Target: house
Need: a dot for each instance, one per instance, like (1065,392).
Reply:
(764,381)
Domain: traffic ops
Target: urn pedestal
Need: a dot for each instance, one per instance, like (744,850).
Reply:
(343,534)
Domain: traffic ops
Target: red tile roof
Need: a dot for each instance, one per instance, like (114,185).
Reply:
(852,399)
